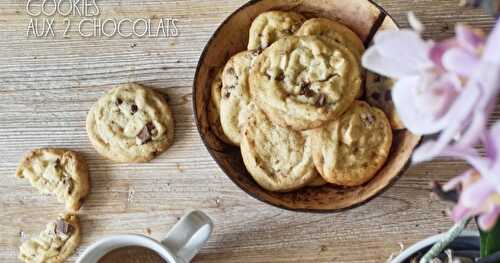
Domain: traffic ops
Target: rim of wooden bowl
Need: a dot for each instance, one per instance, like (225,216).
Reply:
(378,23)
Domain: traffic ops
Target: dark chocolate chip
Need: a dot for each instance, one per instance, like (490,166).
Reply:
(321,101)
(144,135)
(388,96)
(63,227)
(227,95)
(152,129)
(58,163)
(280,76)
(370,119)
(133,109)
(376,95)
(119,102)
(305,90)
(69,183)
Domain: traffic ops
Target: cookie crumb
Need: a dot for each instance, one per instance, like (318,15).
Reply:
(179,168)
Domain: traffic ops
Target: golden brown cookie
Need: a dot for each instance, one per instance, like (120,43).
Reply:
(270,26)
(378,94)
(335,31)
(317,182)
(235,96)
(214,108)
(131,123)
(56,243)
(339,33)
(60,172)
(352,149)
(279,159)
(305,82)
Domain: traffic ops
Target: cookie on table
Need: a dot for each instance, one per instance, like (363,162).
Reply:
(60,172)
(214,108)
(333,30)
(279,159)
(235,96)
(351,150)
(305,82)
(270,26)
(131,123)
(56,243)
(378,94)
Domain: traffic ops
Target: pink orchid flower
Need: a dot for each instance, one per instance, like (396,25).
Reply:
(448,87)
(481,185)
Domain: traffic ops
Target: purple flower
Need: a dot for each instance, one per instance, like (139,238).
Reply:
(446,87)
(481,185)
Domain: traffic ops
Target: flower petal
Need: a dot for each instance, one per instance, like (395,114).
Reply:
(415,23)
(488,220)
(413,118)
(477,194)
(404,46)
(459,61)
(374,61)
(455,182)
(492,52)
(470,39)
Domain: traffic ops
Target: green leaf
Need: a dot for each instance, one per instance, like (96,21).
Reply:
(490,241)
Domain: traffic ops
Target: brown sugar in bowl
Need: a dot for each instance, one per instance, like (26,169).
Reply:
(365,18)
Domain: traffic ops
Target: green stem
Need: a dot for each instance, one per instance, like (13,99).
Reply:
(440,246)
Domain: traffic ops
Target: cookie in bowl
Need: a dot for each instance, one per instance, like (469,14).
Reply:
(130,123)
(351,150)
(235,94)
(214,108)
(279,159)
(271,26)
(378,94)
(305,82)
(59,172)
(333,30)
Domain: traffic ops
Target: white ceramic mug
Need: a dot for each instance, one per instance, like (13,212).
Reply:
(182,243)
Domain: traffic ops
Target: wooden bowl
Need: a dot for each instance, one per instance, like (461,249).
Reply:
(362,16)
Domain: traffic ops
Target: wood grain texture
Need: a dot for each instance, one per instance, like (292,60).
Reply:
(48,85)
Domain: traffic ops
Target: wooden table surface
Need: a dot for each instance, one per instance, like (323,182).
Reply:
(47,86)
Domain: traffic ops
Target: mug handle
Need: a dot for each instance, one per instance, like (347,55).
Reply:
(189,235)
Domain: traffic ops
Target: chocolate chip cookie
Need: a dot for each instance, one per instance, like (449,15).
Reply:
(378,94)
(351,150)
(270,26)
(214,108)
(305,82)
(56,243)
(131,123)
(279,159)
(333,30)
(235,95)
(60,172)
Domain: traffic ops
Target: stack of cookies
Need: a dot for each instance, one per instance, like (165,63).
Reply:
(300,106)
